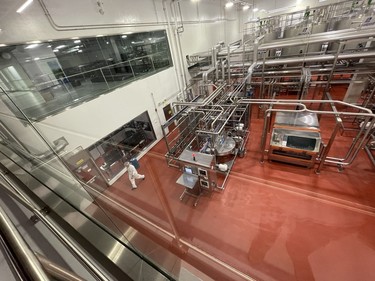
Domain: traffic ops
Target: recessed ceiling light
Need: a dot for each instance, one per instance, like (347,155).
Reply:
(2,45)
(124,36)
(255,10)
(77,41)
(61,46)
(246,7)
(36,58)
(100,35)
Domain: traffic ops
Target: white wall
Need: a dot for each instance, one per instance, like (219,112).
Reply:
(85,124)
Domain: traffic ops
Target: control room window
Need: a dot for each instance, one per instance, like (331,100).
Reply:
(43,79)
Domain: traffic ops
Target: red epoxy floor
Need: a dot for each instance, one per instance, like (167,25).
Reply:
(273,221)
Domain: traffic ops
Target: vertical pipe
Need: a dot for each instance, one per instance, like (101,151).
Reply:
(327,148)
(261,85)
(171,35)
(179,48)
(339,49)
(228,64)
(264,135)
(366,134)
(223,62)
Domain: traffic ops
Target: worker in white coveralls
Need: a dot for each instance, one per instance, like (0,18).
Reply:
(133,174)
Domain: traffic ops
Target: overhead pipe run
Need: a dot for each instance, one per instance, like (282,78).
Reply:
(329,36)
(205,101)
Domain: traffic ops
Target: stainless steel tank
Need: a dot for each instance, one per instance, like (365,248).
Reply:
(271,37)
(317,28)
(304,31)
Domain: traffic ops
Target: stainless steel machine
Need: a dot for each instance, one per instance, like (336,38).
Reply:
(198,174)
(295,138)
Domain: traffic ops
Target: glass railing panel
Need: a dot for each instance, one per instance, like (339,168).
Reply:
(117,75)
(51,96)
(58,173)
(111,215)
(142,66)
(161,60)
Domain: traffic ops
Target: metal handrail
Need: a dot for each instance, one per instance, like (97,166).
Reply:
(97,271)
(56,270)
(34,265)
(31,265)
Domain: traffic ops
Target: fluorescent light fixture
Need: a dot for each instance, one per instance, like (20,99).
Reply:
(228,4)
(100,35)
(2,45)
(61,46)
(77,41)
(55,50)
(255,10)
(246,7)
(24,6)
(79,51)
(124,36)
(74,38)
(36,58)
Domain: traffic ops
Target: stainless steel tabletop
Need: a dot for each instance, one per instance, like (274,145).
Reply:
(201,159)
(297,119)
(187,180)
